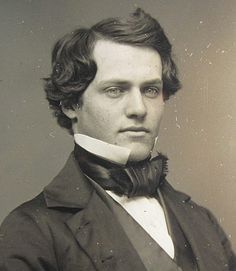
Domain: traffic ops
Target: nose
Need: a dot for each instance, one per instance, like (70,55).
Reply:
(136,107)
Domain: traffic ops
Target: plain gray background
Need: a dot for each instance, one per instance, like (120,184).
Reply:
(198,132)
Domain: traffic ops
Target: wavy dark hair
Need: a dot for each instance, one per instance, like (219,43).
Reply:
(73,66)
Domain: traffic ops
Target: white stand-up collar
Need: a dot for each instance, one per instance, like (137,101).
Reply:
(113,153)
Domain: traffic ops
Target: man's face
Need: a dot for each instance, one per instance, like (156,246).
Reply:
(123,105)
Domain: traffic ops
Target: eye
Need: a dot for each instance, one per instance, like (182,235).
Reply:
(151,92)
(114,92)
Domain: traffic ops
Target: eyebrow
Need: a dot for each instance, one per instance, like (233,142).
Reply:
(113,82)
(126,82)
(153,82)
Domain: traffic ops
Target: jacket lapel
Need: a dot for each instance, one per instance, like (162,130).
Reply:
(102,238)
(198,228)
(94,226)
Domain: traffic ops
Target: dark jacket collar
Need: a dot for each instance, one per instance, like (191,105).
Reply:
(70,188)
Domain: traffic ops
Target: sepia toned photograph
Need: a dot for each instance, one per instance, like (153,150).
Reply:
(118,135)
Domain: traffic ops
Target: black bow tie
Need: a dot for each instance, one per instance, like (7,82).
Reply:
(136,179)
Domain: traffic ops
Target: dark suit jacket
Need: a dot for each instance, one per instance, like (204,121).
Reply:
(68,227)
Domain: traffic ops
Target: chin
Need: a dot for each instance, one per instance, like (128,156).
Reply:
(139,154)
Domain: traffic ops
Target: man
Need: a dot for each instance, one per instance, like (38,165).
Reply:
(111,208)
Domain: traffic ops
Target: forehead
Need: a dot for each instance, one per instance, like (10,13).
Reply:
(126,62)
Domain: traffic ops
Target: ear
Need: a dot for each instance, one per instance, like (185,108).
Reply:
(70,113)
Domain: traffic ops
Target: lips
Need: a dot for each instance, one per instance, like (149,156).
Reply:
(135,129)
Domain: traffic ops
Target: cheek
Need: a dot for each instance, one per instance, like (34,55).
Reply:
(155,115)
(98,110)
(99,115)
(97,118)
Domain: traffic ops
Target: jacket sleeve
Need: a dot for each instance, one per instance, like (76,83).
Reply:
(23,245)
(230,255)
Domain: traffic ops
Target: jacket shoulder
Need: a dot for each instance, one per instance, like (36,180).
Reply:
(25,241)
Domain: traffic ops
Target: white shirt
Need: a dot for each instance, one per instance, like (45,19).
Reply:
(146,211)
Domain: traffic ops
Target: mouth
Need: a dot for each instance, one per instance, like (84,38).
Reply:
(135,131)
